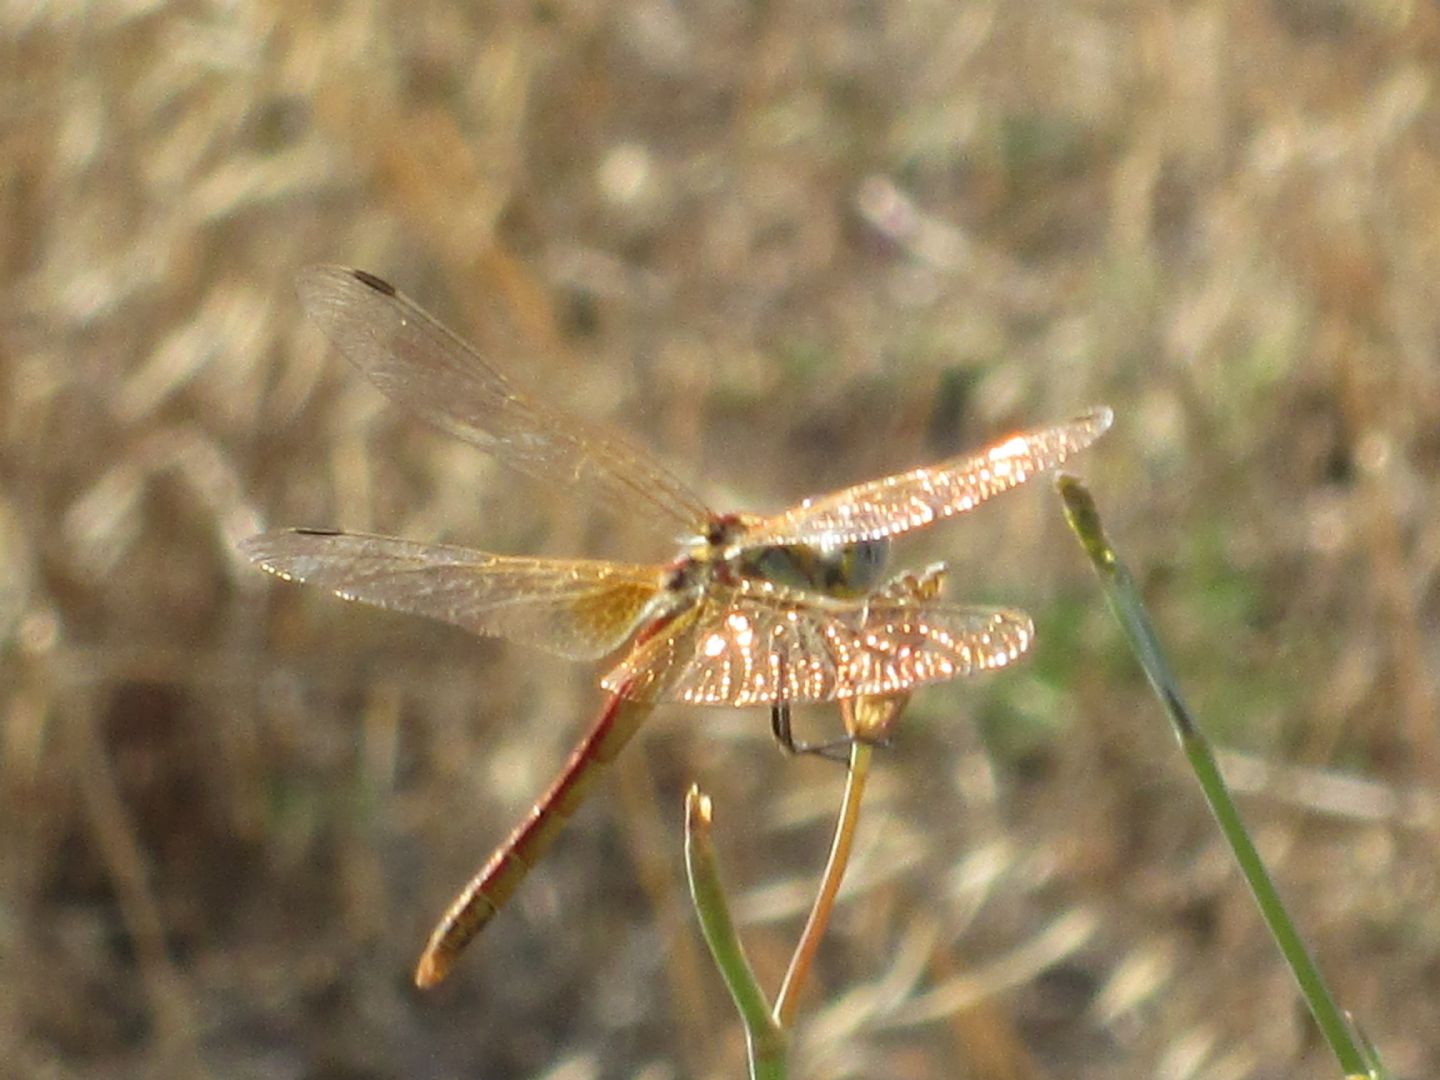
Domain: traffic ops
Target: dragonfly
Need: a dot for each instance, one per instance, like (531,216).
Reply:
(753,610)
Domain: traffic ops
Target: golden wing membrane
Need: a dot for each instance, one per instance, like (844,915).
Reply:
(762,646)
(897,504)
(575,608)
(419,363)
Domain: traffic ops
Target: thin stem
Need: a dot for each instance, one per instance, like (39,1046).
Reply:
(766,1040)
(1125,603)
(819,921)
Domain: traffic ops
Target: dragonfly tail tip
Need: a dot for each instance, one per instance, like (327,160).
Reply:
(430,971)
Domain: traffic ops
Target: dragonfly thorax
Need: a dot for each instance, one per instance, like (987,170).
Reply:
(838,569)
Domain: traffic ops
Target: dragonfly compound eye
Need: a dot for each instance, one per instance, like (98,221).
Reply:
(865,562)
(853,569)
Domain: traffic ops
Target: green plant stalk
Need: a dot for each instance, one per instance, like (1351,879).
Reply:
(1125,604)
(1376,1067)
(766,1041)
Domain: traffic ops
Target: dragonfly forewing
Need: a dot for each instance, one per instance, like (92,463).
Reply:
(416,361)
(897,504)
(577,608)
(759,646)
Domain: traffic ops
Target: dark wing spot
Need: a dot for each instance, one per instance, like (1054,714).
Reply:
(316,532)
(380,285)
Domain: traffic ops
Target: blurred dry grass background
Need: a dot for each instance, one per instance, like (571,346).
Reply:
(792,245)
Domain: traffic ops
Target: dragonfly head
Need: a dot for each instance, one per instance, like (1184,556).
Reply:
(850,569)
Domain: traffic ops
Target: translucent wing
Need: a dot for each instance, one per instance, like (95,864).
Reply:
(420,364)
(578,609)
(758,646)
(897,504)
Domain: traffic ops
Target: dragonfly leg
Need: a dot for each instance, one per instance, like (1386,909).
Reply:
(780,726)
(834,750)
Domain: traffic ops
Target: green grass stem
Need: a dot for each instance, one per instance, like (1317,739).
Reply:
(1125,603)
(766,1041)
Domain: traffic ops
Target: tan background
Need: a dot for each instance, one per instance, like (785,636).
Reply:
(791,245)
